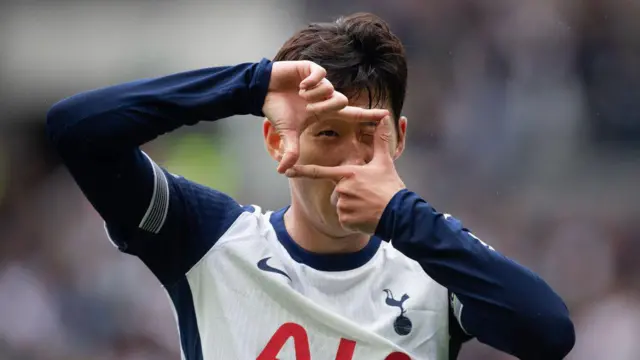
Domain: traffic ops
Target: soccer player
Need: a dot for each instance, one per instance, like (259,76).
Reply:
(357,267)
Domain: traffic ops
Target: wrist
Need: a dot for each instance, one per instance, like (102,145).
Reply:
(386,223)
(259,86)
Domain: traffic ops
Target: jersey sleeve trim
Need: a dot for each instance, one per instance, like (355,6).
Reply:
(456,307)
(109,237)
(158,209)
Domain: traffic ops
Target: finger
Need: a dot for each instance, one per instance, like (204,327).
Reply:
(336,102)
(340,193)
(291,150)
(358,114)
(349,204)
(313,74)
(335,197)
(322,91)
(335,173)
(382,138)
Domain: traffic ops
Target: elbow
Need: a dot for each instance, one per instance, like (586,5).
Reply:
(554,328)
(61,118)
(554,337)
(57,119)
(559,337)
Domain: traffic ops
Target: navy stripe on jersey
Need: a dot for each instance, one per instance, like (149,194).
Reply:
(182,298)
(457,335)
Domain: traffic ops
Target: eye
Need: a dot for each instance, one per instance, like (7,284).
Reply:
(368,128)
(366,137)
(367,134)
(368,131)
(327,133)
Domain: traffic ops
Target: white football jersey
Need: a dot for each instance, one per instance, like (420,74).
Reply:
(242,288)
(253,300)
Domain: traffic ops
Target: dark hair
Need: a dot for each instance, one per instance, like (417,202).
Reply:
(361,56)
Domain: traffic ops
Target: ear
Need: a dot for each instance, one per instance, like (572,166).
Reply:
(402,136)
(272,140)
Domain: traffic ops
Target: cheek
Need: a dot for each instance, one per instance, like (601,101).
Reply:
(319,152)
(314,188)
(315,195)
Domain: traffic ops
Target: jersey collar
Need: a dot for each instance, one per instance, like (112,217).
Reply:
(322,262)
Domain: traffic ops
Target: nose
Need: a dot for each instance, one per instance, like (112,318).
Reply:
(357,153)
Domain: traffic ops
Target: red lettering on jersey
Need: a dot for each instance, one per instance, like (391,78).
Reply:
(397,356)
(277,341)
(346,349)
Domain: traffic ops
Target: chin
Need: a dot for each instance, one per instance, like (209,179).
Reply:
(325,213)
(330,225)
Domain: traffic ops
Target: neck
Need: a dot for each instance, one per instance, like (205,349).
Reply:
(309,237)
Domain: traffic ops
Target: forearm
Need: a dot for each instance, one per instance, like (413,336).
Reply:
(97,133)
(124,116)
(504,304)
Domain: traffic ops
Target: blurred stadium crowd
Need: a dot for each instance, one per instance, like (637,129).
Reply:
(524,121)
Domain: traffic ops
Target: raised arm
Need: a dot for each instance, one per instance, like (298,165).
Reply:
(500,302)
(97,134)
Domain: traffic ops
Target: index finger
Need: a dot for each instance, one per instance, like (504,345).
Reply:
(382,138)
(314,75)
(358,114)
(335,173)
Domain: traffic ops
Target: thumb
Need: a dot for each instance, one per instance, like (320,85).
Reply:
(291,150)
(382,138)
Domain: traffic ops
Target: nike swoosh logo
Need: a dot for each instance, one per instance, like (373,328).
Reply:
(262,265)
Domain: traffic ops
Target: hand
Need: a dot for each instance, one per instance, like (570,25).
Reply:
(300,94)
(362,192)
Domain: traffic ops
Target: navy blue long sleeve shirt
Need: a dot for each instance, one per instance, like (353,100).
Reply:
(98,134)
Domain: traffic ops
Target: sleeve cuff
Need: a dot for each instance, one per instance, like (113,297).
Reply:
(393,215)
(259,86)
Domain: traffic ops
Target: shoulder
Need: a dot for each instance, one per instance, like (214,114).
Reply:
(206,211)
(400,262)
(251,223)
(249,238)
(185,221)
(400,269)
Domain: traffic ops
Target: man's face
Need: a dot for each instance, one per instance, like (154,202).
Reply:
(335,142)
